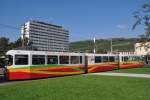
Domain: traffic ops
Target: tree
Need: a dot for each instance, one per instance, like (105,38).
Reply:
(142,17)
(4,45)
(17,43)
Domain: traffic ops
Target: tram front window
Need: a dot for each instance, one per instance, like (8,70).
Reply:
(9,60)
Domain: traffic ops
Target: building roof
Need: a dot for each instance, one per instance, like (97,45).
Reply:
(40,22)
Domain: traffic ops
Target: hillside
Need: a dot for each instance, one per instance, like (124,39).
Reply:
(103,45)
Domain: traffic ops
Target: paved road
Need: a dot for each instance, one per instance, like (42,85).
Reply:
(2,83)
(122,74)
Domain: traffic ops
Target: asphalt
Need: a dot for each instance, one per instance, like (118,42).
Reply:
(3,82)
(122,74)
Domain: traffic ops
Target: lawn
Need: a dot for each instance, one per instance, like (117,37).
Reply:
(144,70)
(80,87)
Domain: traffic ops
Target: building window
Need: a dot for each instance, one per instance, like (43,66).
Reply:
(21,59)
(52,59)
(64,59)
(38,59)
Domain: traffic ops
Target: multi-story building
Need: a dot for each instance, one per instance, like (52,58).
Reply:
(45,36)
(142,48)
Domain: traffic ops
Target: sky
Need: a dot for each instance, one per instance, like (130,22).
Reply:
(85,19)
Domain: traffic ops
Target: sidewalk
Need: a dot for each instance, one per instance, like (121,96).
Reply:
(121,74)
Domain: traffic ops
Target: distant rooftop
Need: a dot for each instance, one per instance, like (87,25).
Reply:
(46,23)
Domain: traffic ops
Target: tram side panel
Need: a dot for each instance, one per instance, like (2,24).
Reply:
(43,71)
(55,70)
(34,64)
(17,66)
(132,61)
(18,73)
(43,66)
(131,65)
(99,63)
(61,65)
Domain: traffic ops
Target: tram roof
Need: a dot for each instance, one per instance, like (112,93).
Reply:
(41,52)
(12,52)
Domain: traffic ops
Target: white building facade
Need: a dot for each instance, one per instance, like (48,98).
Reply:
(45,36)
(142,48)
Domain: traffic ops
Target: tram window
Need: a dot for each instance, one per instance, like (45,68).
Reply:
(148,58)
(64,59)
(52,59)
(111,58)
(98,59)
(74,59)
(125,58)
(9,60)
(80,59)
(122,58)
(105,58)
(21,59)
(130,58)
(38,59)
(139,58)
(135,58)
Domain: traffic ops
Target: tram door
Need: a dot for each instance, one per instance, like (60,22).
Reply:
(147,59)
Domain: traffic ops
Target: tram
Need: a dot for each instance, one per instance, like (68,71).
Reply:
(22,64)
(131,61)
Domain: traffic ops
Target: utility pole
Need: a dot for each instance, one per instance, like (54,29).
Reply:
(111,48)
(94,46)
(23,36)
(118,60)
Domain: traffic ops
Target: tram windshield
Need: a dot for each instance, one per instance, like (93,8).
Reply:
(9,60)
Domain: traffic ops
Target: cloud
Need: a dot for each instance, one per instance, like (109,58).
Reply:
(122,27)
